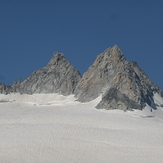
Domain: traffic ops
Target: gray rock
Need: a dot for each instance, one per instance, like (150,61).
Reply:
(132,90)
(5,89)
(123,84)
(100,74)
(115,99)
(59,76)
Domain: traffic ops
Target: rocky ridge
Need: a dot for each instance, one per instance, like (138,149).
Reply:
(5,89)
(122,84)
(59,76)
(99,76)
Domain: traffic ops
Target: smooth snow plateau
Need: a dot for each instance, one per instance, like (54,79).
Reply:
(53,128)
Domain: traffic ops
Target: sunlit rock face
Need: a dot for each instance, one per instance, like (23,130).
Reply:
(123,84)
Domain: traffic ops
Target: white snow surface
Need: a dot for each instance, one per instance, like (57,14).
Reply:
(51,128)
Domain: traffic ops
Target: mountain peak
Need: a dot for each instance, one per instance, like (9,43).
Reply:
(116,48)
(57,57)
(100,75)
(59,76)
(115,53)
(122,84)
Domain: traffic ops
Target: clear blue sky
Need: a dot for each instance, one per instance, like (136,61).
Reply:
(32,30)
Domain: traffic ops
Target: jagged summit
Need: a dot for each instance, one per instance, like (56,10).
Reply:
(115,52)
(122,84)
(59,76)
(100,74)
(56,59)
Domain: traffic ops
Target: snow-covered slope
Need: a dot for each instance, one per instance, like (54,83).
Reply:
(53,128)
(38,99)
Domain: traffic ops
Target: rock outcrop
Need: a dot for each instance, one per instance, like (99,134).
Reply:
(5,89)
(100,74)
(59,76)
(131,89)
(123,84)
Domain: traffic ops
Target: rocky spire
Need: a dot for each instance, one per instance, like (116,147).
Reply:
(58,58)
(123,85)
(100,74)
(116,53)
(59,76)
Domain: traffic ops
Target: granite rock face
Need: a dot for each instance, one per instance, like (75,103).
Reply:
(59,76)
(123,84)
(100,74)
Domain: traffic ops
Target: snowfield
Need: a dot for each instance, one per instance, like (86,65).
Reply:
(51,128)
